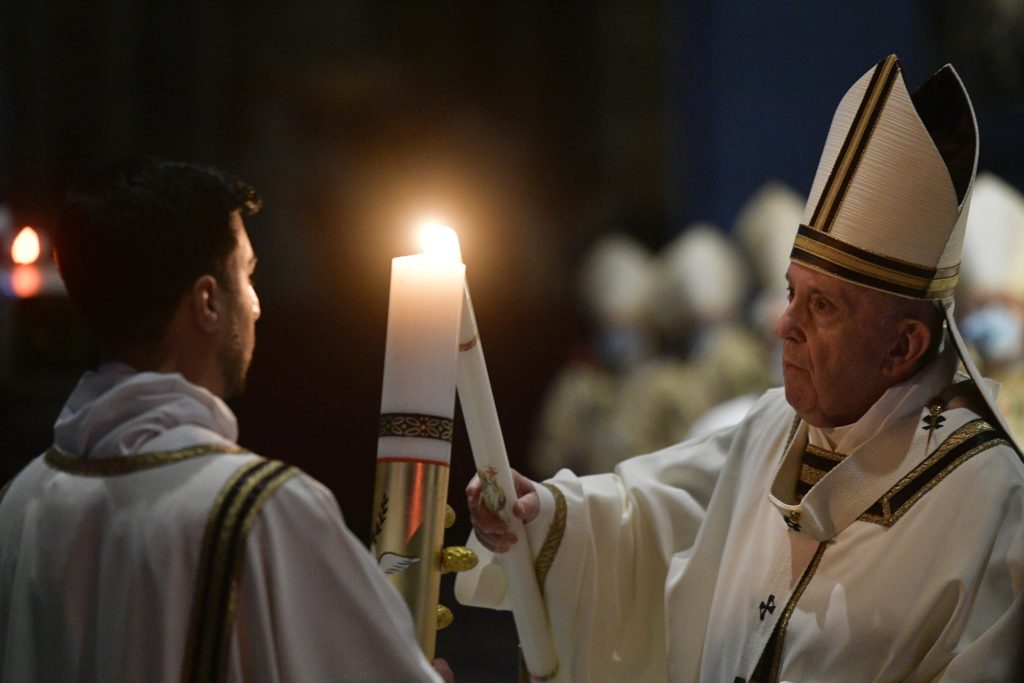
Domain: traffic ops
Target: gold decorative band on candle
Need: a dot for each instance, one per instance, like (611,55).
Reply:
(407,534)
(422,426)
(467,345)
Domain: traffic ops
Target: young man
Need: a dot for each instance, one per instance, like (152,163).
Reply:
(146,545)
(864,523)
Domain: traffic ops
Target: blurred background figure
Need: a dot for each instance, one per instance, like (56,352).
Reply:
(764,227)
(706,352)
(615,281)
(682,341)
(992,301)
(670,340)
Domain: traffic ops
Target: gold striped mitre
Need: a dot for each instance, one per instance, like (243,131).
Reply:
(888,205)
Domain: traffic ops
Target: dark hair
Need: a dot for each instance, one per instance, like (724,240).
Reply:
(132,239)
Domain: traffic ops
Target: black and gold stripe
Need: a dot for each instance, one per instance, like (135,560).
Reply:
(416,425)
(824,252)
(769,666)
(126,464)
(856,141)
(220,566)
(963,444)
(815,464)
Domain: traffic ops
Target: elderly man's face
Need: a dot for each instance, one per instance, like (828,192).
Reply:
(835,338)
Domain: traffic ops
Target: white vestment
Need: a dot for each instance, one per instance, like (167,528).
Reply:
(104,543)
(904,563)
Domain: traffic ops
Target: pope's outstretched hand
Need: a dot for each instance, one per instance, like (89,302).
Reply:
(489,527)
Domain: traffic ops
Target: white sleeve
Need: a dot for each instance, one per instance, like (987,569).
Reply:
(990,632)
(313,605)
(616,532)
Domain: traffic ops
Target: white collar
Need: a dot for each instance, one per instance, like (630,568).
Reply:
(116,410)
(880,449)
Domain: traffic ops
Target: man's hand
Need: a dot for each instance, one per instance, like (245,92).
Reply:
(491,529)
(441,667)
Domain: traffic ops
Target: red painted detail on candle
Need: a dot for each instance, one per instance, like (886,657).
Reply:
(415,503)
(424,461)
(467,345)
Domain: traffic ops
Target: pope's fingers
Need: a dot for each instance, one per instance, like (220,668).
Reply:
(527,508)
(496,544)
(523,485)
(473,489)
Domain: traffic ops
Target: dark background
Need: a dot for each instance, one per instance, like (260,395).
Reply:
(530,127)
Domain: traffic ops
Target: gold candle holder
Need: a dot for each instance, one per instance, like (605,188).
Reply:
(408,530)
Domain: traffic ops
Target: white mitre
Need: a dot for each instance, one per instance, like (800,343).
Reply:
(701,279)
(615,280)
(889,202)
(993,258)
(766,226)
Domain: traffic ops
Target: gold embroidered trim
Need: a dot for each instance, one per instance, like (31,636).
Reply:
(824,453)
(103,467)
(970,430)
(883,260)
(548,550)
(811,475)
(219,571)
(825,266)
(790,608)
(813,472)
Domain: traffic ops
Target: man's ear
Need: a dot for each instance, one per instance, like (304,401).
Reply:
(204,303)
(913,338)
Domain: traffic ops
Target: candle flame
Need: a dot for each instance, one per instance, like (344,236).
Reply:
(25,248)
(440,241)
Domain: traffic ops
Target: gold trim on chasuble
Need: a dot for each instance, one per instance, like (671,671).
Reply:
(60,459)
(814,465)
(541,566)
(962,445)
(769,665)
(548,550)
(220,566)
(973,438)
